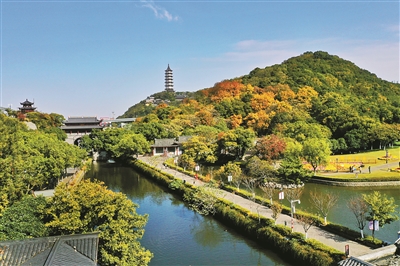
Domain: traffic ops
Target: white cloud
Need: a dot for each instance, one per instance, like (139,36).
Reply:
(378,57)
(159,12)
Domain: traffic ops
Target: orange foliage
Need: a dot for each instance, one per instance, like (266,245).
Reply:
(262,101)
(225,89)
(205,117)
(305,96)
(161,105)
(235,121)
(259,121)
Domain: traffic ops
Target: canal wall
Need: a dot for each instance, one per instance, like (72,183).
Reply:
(354,184)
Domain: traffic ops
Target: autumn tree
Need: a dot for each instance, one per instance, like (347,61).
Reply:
(90,207)
(270,147)
(323,202)
(292,194)
(268,189)
(306,222)
(359,208)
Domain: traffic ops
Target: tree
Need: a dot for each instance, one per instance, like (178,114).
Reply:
(316,152)
(291,170)
(258,168)
(89,207)
(230,169)
(23,219)
(200,149)
(380,208)
(270,147)
(251,184)
(323,202)
(130,144)
(268,189)
(203,199)
(359,207)
(305,221)
(276,209)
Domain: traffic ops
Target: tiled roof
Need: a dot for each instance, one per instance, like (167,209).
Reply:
(182,139)
(81,120)
(164,143)
(68,250)
(77,127)
(352,261)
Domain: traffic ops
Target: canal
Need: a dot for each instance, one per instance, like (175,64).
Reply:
(175,234)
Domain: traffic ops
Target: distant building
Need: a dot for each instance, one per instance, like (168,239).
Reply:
(169,80)
(169,147)
(77,127)
(27,107)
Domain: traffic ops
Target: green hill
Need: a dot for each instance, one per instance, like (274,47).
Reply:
(312,92)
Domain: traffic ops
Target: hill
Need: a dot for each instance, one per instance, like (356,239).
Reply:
(312,92)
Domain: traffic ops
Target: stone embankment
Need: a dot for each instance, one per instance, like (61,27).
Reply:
(355,184)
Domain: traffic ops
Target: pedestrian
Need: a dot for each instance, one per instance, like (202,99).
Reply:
(369,169)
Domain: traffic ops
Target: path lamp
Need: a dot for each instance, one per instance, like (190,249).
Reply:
(293,209)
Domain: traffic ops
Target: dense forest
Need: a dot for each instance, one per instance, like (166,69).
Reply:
(312,95)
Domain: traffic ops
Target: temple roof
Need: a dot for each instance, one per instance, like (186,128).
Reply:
(83,120)
(168,69)
(27,102)
(67,250)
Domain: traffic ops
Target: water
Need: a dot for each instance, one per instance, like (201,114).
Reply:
(341,214)
(175,234)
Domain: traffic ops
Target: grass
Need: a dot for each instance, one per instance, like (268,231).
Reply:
(367,158)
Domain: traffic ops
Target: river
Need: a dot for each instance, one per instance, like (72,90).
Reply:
(175,234)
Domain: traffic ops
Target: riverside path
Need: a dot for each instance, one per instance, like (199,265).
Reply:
(327,238)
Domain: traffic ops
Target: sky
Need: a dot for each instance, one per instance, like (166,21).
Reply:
(98,58)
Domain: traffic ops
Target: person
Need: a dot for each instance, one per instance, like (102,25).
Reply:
(369,169)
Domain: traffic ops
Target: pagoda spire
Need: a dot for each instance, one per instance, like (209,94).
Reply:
(169,81)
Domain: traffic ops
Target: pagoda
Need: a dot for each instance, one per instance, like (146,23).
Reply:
(169,83)
(27,107)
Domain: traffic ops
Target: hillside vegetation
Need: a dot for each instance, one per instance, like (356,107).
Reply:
(311,95)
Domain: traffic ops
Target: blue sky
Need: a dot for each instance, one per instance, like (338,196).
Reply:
(98,58)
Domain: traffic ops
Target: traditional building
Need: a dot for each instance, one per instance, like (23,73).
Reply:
(66,250)
(27,107)
(169,81)
(77,127)
(169,147)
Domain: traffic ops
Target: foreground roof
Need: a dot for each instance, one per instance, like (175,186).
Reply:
(70,250)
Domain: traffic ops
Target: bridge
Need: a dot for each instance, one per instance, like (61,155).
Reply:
(77,127)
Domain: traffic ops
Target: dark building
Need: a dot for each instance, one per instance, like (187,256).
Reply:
(27,107)
(82,125)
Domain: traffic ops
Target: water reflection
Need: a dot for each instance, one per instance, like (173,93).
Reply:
(175,234)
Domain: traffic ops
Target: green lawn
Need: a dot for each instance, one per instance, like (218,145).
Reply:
(368,158)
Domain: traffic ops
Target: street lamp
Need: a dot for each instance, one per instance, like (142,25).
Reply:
(293,209)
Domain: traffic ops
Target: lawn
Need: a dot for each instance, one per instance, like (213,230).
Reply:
(339,165)
(369,157)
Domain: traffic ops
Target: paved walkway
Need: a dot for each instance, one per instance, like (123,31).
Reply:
(329,239)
